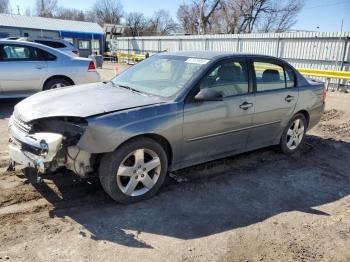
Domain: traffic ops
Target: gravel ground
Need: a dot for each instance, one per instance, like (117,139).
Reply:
(257,206)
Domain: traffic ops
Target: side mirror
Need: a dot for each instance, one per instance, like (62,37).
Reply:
(208,94)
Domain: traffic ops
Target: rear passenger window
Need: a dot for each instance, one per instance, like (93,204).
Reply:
(46,56)
(269,76)
(290,77)
(228,78)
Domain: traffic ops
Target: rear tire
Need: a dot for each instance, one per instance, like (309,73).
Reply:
(135,171)
(56,83)
(294,135)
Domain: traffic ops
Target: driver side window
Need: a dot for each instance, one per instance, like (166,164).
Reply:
(228,78)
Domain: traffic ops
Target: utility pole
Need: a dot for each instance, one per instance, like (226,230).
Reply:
(42,8)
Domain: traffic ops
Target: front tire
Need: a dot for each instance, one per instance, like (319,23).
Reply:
(294,135)
(135,171)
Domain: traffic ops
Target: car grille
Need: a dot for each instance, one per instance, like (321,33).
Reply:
(24,127)
(25,147)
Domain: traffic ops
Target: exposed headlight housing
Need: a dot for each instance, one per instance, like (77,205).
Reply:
(44,148)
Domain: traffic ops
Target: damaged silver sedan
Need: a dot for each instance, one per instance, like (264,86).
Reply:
(168,112)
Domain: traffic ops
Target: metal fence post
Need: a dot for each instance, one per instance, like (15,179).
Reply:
(128,46)
(180,44)
(346,41)
(237,49)
(278,47)
(344,52)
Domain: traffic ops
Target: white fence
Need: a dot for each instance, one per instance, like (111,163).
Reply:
(318,50)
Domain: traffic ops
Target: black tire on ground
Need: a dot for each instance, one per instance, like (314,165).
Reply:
(53,83)
(110,163)
(283,142)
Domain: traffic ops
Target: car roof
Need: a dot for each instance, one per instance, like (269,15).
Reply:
(29,43)
(213,55)
(24,40)
(51,40)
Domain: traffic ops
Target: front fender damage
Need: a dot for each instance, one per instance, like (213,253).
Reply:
(99,138)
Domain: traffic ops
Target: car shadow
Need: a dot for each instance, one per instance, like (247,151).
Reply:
(222,195)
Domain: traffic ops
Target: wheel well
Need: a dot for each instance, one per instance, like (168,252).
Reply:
(306,115)
(160,140)
(58,77)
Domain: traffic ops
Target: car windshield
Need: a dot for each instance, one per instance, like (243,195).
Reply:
(162,75)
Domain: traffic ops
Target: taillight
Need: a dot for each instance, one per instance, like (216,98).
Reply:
(92,66)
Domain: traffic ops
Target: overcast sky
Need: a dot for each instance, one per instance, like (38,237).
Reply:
(317,15)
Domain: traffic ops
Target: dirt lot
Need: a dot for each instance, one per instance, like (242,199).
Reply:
(258,206)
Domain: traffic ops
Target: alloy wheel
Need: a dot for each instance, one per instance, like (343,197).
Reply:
(138,172)
(58,85)
(295,134)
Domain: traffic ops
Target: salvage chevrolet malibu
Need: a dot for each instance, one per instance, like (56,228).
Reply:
(168,112)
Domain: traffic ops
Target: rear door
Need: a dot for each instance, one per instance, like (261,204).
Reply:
(22,69)
(275,100)
(214,128)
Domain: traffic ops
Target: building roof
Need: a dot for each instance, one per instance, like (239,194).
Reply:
(53,24)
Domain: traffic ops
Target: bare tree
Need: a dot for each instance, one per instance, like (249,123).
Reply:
(247,16)
(4,6)
(161,23)
(198,16)
(206,12)
(135,24)
(230,15)
(70,14)
(281,17)
(188,17)
(107,11)
(239,16)
(46,8)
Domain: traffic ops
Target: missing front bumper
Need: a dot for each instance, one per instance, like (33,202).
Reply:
(33,150)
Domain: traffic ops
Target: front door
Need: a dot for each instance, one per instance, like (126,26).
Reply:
(215,128)
(275,100)
(22,70)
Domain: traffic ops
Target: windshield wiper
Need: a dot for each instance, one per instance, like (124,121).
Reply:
(129,88)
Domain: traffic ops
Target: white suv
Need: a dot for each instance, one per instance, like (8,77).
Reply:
(59,44)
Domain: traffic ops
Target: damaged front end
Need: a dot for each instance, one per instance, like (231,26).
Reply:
(49,143)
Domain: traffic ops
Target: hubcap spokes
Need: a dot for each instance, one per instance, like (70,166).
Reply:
(57,86)
(295,134)
(138,172)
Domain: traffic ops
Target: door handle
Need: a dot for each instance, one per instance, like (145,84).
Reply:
(40,67)
(289,98)
(245,105)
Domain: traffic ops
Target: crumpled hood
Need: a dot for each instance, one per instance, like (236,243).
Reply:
(81,101)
